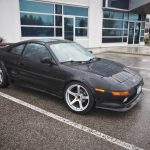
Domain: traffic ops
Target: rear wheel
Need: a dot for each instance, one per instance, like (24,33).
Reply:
(79,98)
(3,77)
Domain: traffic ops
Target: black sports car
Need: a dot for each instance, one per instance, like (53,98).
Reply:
(68,70)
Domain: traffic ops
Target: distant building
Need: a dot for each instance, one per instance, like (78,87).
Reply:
(92,23)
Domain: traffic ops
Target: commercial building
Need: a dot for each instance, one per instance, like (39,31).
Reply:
(92,23)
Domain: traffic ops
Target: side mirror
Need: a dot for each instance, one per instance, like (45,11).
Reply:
(47,60)
(91,52)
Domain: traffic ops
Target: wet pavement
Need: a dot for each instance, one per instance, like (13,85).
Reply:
(23,128)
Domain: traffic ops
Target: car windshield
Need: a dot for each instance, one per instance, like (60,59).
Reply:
(71,52)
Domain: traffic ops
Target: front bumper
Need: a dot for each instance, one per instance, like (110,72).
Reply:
(123,107)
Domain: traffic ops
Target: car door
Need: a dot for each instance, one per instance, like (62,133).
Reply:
(40,75)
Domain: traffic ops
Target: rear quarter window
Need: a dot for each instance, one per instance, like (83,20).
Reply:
(18,49)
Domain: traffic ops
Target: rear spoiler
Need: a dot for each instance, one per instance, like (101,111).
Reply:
(3,45)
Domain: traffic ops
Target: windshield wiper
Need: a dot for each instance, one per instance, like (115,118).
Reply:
(72,61)
(92,59)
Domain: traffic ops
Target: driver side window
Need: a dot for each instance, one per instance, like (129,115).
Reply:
(36,52)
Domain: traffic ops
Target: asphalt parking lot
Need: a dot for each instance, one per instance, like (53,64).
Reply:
(26,127)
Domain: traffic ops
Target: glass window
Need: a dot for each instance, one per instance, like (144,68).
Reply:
(134,17)
(126,24)
(33,6)
(126,16)
(124,39)
(18,50)
(125,32)
(36,52)
(37,31)
(58,32)
(116,15)
(81,22)
(104,2)
(106,14)
(111,40)
(58,9)
(71,52)
(142,32)
(112,23)
(142,39)
(76,11)
(37,19)
(81,32)
(143,25)
(58,20)
(122,4)
(111,32)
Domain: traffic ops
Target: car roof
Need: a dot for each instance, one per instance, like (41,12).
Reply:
(46,41)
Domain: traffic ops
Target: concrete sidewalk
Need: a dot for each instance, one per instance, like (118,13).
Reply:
(137,50)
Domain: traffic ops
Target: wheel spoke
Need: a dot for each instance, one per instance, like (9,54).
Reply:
(74,101)
(85,97)
(78,89)
(80,105)
(71,93)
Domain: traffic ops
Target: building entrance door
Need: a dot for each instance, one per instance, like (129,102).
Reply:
(69,28)
(134,33)
(131,33)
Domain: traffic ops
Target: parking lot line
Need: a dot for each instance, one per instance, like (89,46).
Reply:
(139,68)
(145,89)
(91,131)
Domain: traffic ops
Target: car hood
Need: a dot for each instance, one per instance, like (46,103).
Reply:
(106,68)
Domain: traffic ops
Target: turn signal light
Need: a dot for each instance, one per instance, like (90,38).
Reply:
(126,93)
(99,90)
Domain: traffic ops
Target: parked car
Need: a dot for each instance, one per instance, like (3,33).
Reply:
(67,70)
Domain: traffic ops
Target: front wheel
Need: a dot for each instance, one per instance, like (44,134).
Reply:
(79,98)
(3,77)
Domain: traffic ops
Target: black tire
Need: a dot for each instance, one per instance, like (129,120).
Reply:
(3,77)
(90,102)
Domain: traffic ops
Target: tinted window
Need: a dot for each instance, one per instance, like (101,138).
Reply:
(104,2)
(112,23)
(76,11)
(116,15)
(37,31)
(58,20)
(17,50)
(143,25)
(122,4)
(81,32)
(58,32)
(81,22)
(36,6)
(106,14)
(110,32)
(134,16)
(111,40)
(126,25)
(58,9)
(142,32)
(37,19)
(36,52)
(126,16)
(125,32)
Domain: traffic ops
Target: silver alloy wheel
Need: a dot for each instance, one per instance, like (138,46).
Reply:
(1,76)
(77,97)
